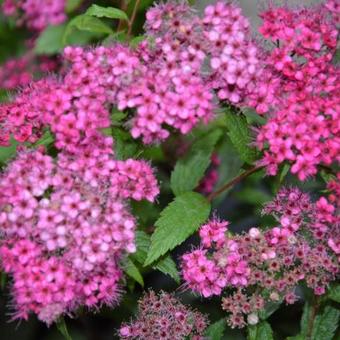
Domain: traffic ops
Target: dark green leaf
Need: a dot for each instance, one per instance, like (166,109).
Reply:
(124,146)
(50,41)
(46,139)
(261,331)
(270,308)
(334,292)
(177,222)
(306,315)
(131,270)
(239,134)
(190,169)
(216,330)
(61,325)
(326,324)
(107,12)
(166,265)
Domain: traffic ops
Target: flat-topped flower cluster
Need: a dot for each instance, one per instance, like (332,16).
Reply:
(303,247)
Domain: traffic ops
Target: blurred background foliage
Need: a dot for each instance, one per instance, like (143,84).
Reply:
(241,205)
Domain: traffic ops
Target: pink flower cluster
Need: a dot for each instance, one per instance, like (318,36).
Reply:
(234,57)
(19,72)
(299,88)
(14,73)
(302,248)
(35,14)
(65,226)
(164,317)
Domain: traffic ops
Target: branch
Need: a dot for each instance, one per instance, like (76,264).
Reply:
(234,181)
(133,17)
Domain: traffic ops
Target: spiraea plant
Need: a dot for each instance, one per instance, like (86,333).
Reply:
(177,161)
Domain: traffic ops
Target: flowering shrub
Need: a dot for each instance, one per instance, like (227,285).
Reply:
(228,121)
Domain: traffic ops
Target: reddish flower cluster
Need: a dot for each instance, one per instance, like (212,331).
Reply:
(35,14)
(164,317)
(304,247)
(298,86)
(65,226)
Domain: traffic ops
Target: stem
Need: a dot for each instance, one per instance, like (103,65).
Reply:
(234,181)
(315,308)
(123,7)
(133,17)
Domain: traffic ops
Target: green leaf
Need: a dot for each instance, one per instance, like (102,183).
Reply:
(9,151)
(124,146)
(306,315)
(190,169)
(46,139)
(326,324)
(131,270)
(240,136)
(136,40)
(261,331)
(72,5)
(177,222)
(106,12)
(166,264)
(50,41)
(270,308)
(61,325)
(253,195)
(216,330)
(334,293)
(86,23)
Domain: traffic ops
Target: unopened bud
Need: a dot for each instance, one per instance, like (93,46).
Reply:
(252,319)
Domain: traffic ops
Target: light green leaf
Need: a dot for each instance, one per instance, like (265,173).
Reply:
(177,222)
(61,325)
(190,169)
(50,40)
(72,5)
(131,270)
(334,293)
(86,23)
(166,265)
(326,324)
(46,139)
(7,152)
(261,331)
(239,134)
(136,40)
(107,12)
(216,330)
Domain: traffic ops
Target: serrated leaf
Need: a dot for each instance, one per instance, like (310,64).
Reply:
(136,40)
(326,324)
(261,331)
(166,265)
(239,134)
(50,41)
(86,23)
(106,12)
(72,5)
(334,293)
(190,169)
(131,270)
(216,330)
(124,146)
(177,222)
(61,325)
